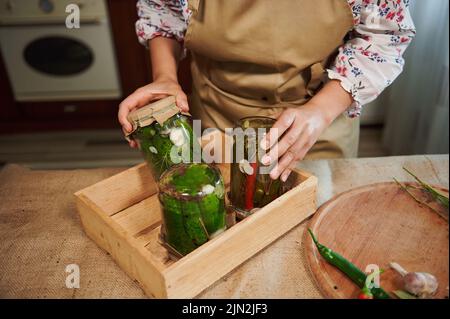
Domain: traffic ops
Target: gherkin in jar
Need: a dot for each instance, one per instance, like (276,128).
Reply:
(193,206)
(251,185)
(164,136)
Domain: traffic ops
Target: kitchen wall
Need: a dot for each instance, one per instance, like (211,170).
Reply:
(417,104)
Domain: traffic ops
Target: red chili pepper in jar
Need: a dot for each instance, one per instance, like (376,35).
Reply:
(250,185)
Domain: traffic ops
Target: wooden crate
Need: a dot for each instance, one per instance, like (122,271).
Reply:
(122,215)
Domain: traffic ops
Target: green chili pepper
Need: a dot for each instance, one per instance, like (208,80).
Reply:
(353,272)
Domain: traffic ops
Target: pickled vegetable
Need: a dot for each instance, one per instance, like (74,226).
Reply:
(193,206)
(168,144)
(252,187)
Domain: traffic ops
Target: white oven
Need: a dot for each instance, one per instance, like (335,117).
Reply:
(46,61)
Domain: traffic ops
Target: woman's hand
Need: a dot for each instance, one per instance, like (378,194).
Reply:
(154,91)
(301,127)
(165,54)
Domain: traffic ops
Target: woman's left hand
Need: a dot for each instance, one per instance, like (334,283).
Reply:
(301,127)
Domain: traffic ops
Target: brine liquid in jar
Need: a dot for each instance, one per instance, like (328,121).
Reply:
(164,136)
(251,186)
(193,206)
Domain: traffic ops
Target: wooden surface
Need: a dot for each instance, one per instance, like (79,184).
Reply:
(41,233)
(122,215)
(378,224)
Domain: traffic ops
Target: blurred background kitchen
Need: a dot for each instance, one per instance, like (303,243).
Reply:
(60,88)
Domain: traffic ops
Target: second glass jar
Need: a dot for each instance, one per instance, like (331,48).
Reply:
(193,206)
(251,186)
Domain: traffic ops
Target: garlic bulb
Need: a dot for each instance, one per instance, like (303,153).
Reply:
(421,284)
(177,137)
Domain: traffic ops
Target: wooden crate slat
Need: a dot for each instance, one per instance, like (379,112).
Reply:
(216,258)
(120,191)
(134,260)
(152,244)
(139,216)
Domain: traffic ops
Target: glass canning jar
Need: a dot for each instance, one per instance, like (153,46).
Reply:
(193,206)
(164,135)
(251,186)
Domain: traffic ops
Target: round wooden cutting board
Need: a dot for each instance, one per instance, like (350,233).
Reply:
(378,224)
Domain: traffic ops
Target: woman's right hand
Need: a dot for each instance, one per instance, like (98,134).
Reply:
(154,91)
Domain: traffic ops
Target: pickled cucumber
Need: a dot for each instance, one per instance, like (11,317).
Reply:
(210,206)
(192,200)
(156,145)
(174,221)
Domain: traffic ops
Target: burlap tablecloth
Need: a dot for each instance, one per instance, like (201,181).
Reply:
(40,233)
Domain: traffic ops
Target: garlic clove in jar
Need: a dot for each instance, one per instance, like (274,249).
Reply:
(208,189)
(245,167)
(177,137)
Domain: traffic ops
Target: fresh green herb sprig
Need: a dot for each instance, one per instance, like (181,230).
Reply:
(437,196)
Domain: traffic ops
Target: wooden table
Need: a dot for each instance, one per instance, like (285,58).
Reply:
(40,234)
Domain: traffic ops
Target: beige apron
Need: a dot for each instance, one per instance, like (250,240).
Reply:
(258,57)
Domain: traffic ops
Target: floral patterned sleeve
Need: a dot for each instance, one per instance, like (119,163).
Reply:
(372,57)
(167,18)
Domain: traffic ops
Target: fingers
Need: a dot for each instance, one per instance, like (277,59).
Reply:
(138,99)
(285,170)
(182,102)
(285,121)
(285,174)
(131,142)
(288,171)
(283,163)
(295,153)
(289,139)
(145,95)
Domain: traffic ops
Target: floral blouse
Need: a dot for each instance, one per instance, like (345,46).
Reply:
(366,64)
